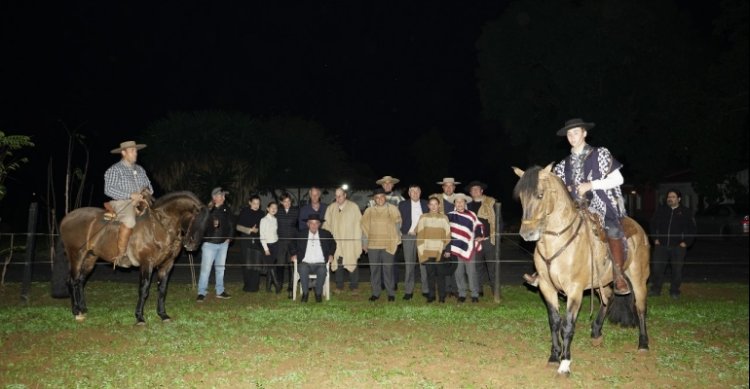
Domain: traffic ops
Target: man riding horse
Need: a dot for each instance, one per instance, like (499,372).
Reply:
(123,182)
(594,170)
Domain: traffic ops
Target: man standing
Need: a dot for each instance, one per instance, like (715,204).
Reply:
(287,222)
(343,220)
(216,240)
(410,212)
(314,206)
(592,174)
(123,183)
(446,198)
(466,238)
(673,229)
(381,237)
(391,197)
(483,207)
(312,250)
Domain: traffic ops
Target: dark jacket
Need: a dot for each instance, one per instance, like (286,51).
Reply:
(673,226)
(287,222)
(220,226)
(404,208)
(299,246)
(250,218)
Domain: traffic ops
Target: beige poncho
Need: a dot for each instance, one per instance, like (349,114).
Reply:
(344,224)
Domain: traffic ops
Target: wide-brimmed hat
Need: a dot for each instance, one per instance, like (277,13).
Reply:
(475,183)
(573,123)
(457,196)
(377,191)
(219,191)
(127,145)
(392,180)
(314,216)
(448,180)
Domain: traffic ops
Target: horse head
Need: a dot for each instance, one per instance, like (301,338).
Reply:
(536,192)
(191,216)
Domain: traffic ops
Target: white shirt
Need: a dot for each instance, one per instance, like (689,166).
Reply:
(313,252)
(269,231)
(416,212)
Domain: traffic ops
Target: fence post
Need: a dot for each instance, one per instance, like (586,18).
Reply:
(498,236)
(30,250)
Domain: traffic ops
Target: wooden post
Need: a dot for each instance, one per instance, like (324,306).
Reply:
(30,250)
(498,236)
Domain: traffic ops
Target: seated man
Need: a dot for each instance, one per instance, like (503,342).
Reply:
(314,248)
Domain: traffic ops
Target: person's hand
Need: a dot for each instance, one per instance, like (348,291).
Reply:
(136,197)
(656,242)
(683,245)
(268,252)
(330,258)
(583,188)
(254,228)
(364,248)
(446,255)
(293,258)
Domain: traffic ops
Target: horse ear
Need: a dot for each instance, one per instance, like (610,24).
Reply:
(548,168)
(518,171)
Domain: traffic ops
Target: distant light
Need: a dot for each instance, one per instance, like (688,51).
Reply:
(633,192)
(345,186)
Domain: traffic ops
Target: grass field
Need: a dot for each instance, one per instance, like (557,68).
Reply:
(267,341)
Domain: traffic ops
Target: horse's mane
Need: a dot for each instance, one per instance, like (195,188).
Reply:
(528,183)
(169,197)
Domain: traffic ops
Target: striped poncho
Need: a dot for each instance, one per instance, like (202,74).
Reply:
(465,228)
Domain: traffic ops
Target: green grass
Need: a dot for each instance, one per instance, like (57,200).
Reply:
(266,341)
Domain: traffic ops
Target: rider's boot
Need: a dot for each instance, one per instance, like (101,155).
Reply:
(532,279)
(617,248)
(123,237)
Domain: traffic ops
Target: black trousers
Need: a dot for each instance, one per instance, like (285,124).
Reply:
(437,272)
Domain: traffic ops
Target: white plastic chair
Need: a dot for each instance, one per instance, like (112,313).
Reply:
(313,277)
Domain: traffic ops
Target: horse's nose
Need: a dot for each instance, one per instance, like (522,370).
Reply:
(529,235)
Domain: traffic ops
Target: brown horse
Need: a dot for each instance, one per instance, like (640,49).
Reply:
(175,221)
(570,258)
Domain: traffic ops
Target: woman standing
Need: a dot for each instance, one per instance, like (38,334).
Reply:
(433,236)
(269,237)
(248,225)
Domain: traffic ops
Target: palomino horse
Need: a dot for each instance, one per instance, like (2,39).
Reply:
(570,258)
(176,220)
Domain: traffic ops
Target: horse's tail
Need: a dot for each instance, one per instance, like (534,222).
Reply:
(622,310)
(60,272)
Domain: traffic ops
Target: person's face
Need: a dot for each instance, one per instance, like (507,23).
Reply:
(272,209)
(387,186)
(460,204)
(218,199)
(380,200)
(448,188)
(287,203)
(315,195)
(433,206)
(414,193)
(576,137)
(130,154)
(476,191)
(672,199)
(255,204)
(313,225)
(340,197)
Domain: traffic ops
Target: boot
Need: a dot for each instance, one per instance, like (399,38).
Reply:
(123,236)
(268,280)
(617,249)
(532,279)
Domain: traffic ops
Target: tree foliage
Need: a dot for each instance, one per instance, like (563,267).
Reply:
(8,161)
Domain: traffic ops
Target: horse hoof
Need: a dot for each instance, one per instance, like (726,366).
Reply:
(80,317)
(564,369)
(140,323)
(597,341)
(642,350)
(166,320)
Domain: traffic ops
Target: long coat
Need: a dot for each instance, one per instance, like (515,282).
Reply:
(345,226)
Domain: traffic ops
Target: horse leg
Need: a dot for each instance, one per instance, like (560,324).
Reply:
(640,308)
(162,280)
(598,323)
(569,329)
(145,284)
(553,316)
(80,267)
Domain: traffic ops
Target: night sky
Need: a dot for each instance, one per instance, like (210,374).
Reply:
(365,71)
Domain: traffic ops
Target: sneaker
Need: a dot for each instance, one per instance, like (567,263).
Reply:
(223,295)
(200,298)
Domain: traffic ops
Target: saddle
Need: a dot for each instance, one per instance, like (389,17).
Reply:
(110,214)
(629,226)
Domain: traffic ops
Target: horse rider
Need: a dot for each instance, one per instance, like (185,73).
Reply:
(123,182)
(592,175)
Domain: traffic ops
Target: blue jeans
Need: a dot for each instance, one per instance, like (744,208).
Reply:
(212,254)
